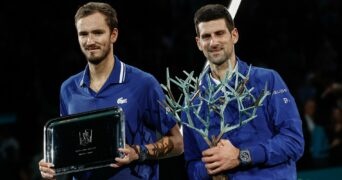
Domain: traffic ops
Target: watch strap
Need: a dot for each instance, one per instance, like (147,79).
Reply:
(143,153)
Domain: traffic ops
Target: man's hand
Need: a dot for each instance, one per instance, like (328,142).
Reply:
(46,170)
(220,158)
(130,155)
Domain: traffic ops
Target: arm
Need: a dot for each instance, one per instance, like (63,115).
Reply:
(171,142)
(168,146)
(287,142)
(282,140)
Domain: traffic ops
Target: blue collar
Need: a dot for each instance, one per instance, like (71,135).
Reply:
(117,76)
(242,68)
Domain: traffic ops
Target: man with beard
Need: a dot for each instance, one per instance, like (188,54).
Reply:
(106,82)
(266,147)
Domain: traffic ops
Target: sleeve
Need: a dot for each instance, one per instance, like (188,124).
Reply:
(194,166)
(154,112)
(287,142)
(62,105)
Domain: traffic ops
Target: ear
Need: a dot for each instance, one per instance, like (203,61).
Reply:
(235,35)
(114,35)
(198,43)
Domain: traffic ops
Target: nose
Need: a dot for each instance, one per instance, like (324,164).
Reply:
(213,41)
(90,39)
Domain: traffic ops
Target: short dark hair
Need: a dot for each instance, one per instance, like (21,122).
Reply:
(213,12)
(92,7)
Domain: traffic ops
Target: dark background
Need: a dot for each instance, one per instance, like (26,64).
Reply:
(39,49)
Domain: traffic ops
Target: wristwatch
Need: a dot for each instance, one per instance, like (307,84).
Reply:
(143,153)
(245,157)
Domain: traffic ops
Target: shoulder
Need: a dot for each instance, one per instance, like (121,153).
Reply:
(73,80)
(139,76)
(264,73)
(257,71)
(260,75)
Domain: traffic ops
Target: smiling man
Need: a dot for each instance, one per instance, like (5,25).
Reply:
(266,147)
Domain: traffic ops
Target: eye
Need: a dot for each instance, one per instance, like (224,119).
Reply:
(205,36)
(98,32)
(82,34)
(220,33)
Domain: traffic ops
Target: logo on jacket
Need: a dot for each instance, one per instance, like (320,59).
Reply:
(286,100)
(121,100)
(86,137)
(279,91)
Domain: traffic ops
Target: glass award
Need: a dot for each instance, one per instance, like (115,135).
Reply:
(84,141)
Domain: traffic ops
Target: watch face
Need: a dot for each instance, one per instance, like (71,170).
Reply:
(245,157)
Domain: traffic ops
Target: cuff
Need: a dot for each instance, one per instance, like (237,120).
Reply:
(258,154)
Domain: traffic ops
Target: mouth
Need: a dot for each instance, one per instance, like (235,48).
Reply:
(216,51)
(92,48)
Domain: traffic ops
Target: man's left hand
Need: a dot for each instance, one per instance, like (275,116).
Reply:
(129,155)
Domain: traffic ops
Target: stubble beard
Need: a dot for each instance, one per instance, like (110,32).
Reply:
(95,60)
(219,60)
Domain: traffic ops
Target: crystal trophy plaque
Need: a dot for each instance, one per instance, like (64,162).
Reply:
(84,141)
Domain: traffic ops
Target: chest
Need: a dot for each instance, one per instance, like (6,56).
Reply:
(97,85)
(85,99)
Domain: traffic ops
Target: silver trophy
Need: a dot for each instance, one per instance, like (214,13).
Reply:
(84,141)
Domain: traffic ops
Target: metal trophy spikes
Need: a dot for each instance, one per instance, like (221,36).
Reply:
(215,98)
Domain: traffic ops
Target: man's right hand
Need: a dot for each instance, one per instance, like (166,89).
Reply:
(222,157)
(46,170)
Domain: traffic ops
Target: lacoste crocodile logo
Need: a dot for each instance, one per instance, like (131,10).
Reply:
(121,100)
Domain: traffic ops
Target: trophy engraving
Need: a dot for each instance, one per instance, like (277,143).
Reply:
(86,137)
